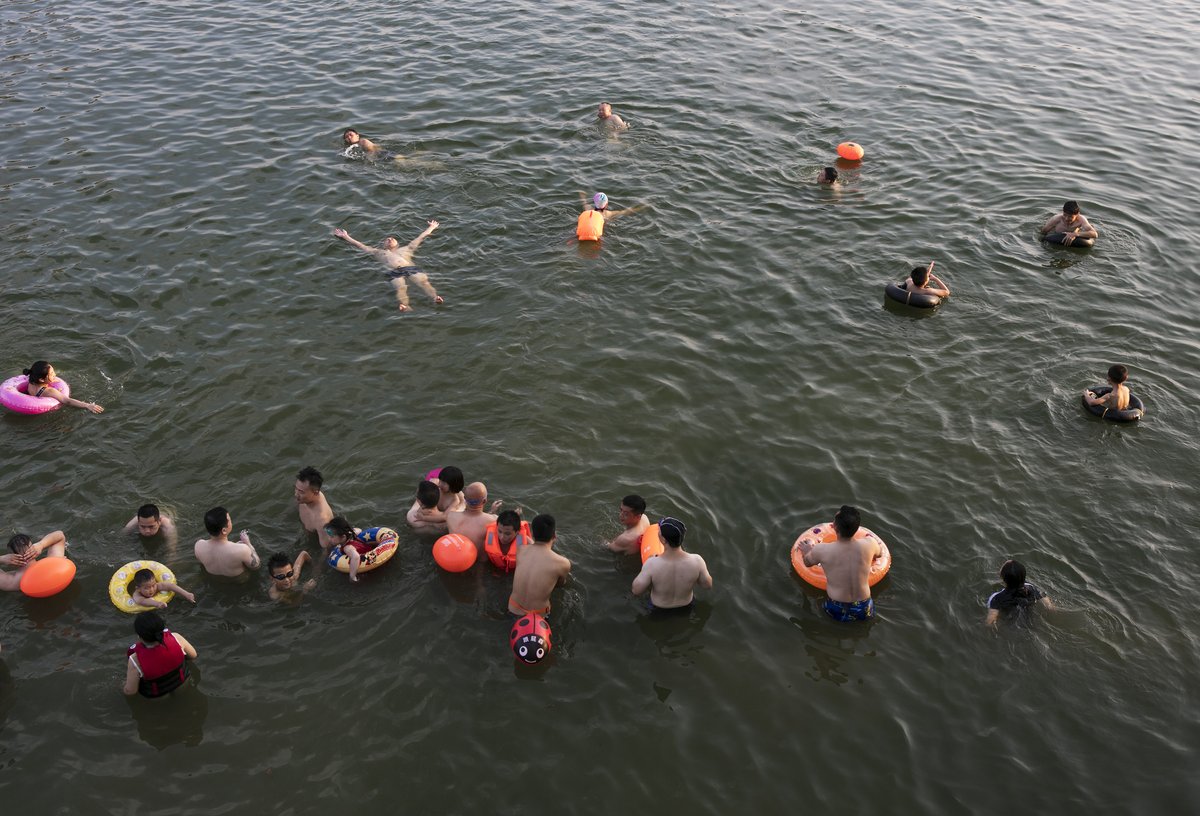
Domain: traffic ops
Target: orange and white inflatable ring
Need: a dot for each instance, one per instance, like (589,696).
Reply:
(823,534)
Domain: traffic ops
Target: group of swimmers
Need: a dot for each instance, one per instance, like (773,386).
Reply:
(157,664)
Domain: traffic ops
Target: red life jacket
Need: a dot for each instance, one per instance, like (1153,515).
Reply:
(163,668)
(590,226)
(491,546)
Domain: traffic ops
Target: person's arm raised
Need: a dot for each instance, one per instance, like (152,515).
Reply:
(345,236)
(416,242)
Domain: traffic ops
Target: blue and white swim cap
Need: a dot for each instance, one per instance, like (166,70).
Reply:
(600,200)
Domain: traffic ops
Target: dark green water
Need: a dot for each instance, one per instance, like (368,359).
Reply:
(171,177)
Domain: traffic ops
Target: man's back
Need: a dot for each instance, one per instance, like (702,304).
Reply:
(847,564)
(674,576)
(539,570)
(473,526)
(223,557)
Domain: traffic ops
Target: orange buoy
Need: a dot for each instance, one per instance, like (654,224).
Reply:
(823,534)
(851,151)
(455,552)
(47,577)
(651,544)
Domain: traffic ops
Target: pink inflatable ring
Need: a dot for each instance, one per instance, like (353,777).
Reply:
(14,398)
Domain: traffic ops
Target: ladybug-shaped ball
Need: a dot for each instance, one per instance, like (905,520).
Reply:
(530,638)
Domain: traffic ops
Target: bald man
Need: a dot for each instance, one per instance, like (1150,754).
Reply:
(471,521)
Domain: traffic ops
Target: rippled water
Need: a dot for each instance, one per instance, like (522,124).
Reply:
(171,176)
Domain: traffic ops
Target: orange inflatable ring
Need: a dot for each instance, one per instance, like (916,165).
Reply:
(455,552)
(851,151)
(651,544)
(47,577)
(823,534)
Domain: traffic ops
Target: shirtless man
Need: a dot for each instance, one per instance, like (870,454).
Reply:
(315,512)
(399,261)
(1071,223)
(220,556)
(539,570)
(671,576)
(609,120)
(471,521)
(148,521)
(1118,398)
(847,563)
(352,137)
(426,513)
(922,280)
(632,513)
(828,176)
(23,551)
(286,584)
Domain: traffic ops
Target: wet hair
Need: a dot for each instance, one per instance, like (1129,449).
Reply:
(542,527)
(428,494)
(509,518)
(276,561)
(847,521)
(338,526)
(1118,373)
(1013,575)
(348,131)
(214,520)
(148,511)
(149,627)
(19,543)
(635,503)
(452,477)
(830,174)
(920,275)
(143,577)
(311,475)
(1071,208)
(38,372)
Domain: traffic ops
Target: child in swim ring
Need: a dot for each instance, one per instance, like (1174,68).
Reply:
(921,278)
(145,587)
(1118,398)
(344,536)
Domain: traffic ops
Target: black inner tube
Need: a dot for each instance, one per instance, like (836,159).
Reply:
(920,300)
(1131,414)
(1057,238)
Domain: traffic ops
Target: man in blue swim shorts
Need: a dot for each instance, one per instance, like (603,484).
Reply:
(847,564)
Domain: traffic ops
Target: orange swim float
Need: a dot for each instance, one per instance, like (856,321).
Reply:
(851,151)
(455,552)
(651,544)
(823,534)
(48,576)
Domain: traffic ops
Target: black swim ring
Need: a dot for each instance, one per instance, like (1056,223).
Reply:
(1131,414)
(1057,238)
(921,300)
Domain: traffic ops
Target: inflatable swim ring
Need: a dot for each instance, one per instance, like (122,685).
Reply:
(118,585)
(823,534)
(1133,413)
(651,543)
(14,398)
(47,576)
(850,151)
(386,541)
(1057,238)
(920,300)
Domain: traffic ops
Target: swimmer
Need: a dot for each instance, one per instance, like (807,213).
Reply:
(631,513)
(502,552)
(315,512)
(847,563)
(673,575)
(145,587)
(23,551)
(539,570)
(450,483)
(609,120)
(352,138)
(920,280)
(472,521)
(424,515)
(149,522)
(285,577)
(220,556)
(157,665)
(40,375)
(1018,594)
(1071,223)
(348,538)
(1116,399)
(399,261)
(827,176)
(590,225)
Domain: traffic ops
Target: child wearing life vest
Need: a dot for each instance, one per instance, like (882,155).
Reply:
(157,664)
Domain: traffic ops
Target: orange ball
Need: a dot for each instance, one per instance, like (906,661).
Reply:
(47,577)
(455,552)
(651,543)
(850,151)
